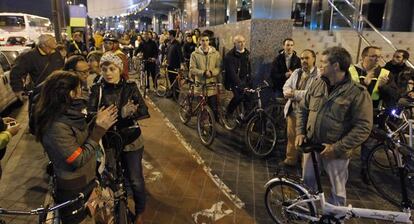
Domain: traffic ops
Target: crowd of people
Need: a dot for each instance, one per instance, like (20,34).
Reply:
(83,96)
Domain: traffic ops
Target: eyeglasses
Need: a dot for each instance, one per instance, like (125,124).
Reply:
(205,40)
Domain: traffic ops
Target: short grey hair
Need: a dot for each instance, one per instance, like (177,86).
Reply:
(340,55)
(43,38)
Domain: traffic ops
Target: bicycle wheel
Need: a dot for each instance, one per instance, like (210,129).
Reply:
(122,213)
(260,135)
(206,126)
(387,181)
(185,109)
(281,194)
(230,122)
(162,85)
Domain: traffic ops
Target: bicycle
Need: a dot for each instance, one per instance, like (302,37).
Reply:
(260,131)
(143,79)
(382,167)
(297,204)
(205,117)
(43,211)
(163,85)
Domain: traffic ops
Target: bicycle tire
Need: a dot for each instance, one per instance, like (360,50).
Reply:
(206,131)
(286,217)
(185,110)
(161,84)
(122,213)
(263,123)
(387,181)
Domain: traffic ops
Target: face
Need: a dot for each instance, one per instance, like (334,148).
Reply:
(372,57)
(146,36)
(82,68)
(171,37)
(77,37)
(51,43)
(307,60)
(63,52)
(94,66)
(288,46)
(240,43)
(325,67)
(111,73)
(189,39)
(204,41)
(108,45)
(398,59)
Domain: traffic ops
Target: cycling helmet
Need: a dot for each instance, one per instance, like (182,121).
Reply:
(110,37)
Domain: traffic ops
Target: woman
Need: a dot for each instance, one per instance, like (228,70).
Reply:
(115,90)
(71,145)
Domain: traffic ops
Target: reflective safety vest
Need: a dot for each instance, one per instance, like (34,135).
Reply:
(355,77)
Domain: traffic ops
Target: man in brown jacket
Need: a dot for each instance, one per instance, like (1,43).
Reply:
(336,112)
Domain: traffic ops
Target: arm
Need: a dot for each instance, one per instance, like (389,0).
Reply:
(362,117)
(193,66)
(18,71)
(290,83)
(72,153)
(231,72)
(94,99)
(302,113)
(216,70)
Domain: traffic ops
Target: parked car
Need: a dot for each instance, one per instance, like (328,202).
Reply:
(8,56)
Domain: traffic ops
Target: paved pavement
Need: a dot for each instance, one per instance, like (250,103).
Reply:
(186,181)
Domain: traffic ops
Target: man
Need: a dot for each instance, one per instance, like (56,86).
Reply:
(294,90)
(337,113)
(39,62)
(397,64)
(174,60)
(188,47)
(149,51)
(205,66)
(80,66)
(77,46)
(369,73)
(111,44)
(283,66)
(237,69)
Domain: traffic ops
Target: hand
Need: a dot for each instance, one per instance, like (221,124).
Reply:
(129,109)
(288,73)
(299,140)
(290,93)
(107,117)
(14,129)
(21,96)
(382,80)
(7,120)
(328,152)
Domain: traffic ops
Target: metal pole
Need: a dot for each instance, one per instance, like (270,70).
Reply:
(410,126)
(360,29)
(55,18)
(331,20)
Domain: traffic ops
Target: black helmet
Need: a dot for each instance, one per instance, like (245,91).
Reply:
(110,37)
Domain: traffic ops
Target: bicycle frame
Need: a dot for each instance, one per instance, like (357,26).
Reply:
(348,212)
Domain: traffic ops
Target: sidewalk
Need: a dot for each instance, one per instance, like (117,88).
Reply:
(180,187)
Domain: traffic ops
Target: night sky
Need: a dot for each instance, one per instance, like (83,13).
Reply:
(35,7)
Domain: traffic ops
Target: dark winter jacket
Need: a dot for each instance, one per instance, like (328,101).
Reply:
(149,49)
(279,69)
(36,63)
(77,48)
(395,69)
(188,48)
(237,68)
(71,148)
(174,55)
(118,94)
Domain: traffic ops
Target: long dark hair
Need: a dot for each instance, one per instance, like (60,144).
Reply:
(54,99)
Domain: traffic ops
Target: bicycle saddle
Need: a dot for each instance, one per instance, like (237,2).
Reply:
(309,147)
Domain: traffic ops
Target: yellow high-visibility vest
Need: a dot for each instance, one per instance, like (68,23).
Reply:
(355,77)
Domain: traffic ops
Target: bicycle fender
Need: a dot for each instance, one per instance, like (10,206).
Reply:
(284,179)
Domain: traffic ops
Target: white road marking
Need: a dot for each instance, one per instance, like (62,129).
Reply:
(212,214)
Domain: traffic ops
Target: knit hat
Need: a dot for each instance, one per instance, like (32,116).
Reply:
(112,58)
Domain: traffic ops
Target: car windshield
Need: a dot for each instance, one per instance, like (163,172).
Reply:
(12,23)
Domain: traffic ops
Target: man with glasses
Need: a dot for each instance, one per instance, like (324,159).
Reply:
(370,74)
(397,64)
(39,63)
(205,64)
(80,66)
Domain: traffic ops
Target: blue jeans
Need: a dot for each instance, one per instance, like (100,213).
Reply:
(132,163)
